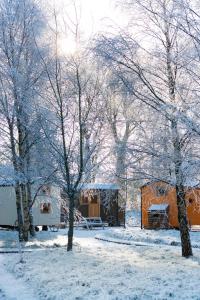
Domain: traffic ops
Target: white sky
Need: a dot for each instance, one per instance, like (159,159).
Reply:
(93,15)
(98,13)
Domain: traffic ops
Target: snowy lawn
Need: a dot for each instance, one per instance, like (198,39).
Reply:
(135,234)
(101,270)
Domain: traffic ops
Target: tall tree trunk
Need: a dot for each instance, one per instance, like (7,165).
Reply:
(180,194)
(18,195)
(120,163)
(121,152)
(22,136)
(183,222)
(28,186)
(20,215)
(26,224)
(31,228)
(71,224)
(178,160)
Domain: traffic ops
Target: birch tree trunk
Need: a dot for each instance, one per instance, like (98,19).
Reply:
(22,137)
(178,160)
(20,215)
(19,206)
(71,224)
(180,194)
(31,228)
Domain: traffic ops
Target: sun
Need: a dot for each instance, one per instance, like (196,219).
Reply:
(87,17)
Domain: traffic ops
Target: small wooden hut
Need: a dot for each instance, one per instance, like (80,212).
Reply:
(101,200)
(159,207)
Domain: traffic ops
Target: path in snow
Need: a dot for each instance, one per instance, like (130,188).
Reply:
(12,288)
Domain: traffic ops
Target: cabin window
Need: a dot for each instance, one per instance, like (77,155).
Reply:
(161,191)
(84,200)
(94,199)
(45,208)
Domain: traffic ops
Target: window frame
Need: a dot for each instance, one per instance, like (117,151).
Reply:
(45,208)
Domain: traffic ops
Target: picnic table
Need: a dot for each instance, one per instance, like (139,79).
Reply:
(92,222)
(95,222)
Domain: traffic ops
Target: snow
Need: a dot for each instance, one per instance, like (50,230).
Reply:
(100,186)
(162,237)
(10,287)
(97,269)
(158,207)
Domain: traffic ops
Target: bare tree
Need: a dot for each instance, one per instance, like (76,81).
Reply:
(73,91)
(162,74)
(122,122)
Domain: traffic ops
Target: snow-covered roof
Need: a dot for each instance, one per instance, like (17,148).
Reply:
(7,182)
(158,207)
(100,186)
(7,176)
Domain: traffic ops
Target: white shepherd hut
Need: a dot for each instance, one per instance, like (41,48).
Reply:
(46,208)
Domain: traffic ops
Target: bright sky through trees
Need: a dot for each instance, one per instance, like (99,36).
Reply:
(92,15)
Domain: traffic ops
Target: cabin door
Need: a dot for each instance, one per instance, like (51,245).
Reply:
(94,207)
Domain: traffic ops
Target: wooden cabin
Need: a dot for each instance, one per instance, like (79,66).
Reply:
(159,208)
(101,200)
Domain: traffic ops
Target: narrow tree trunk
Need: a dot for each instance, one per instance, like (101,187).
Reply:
(178,160)
(31,227)
(28,187)
(20,216)
(71,224)
(22,143)
(26,224)
(180,194)
(18,193)
(120,163)
(183,222)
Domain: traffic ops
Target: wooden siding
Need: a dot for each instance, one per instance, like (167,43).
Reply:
(149,196)
(109,210)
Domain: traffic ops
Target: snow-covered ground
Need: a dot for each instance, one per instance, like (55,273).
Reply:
(136,235)
(98,269)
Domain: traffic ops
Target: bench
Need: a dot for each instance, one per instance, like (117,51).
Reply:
(95,222)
